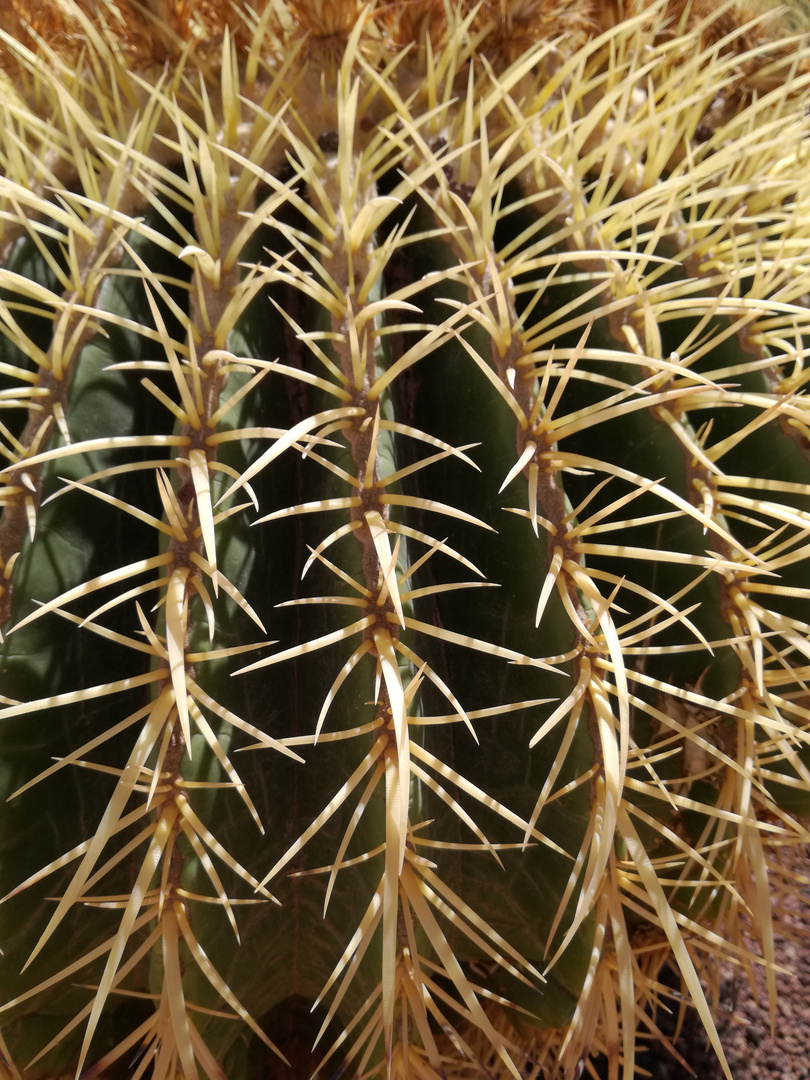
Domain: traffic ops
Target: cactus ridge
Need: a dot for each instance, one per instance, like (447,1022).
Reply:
(405,501)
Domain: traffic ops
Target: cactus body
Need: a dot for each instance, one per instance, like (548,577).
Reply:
(406,496)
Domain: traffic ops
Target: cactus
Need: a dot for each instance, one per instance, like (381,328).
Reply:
(484,326)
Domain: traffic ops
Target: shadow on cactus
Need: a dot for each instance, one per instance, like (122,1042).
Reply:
(406,502)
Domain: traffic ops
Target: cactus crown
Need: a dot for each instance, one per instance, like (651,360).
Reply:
(413,398)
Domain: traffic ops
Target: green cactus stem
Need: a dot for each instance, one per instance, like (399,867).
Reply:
(405,534)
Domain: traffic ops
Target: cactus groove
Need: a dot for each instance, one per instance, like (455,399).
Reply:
(404,541)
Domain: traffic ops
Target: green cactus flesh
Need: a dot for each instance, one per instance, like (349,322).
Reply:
(406,502)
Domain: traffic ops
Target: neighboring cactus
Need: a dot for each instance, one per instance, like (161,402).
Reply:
(485,325)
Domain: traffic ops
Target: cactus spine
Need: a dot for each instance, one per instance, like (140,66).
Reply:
(487,326)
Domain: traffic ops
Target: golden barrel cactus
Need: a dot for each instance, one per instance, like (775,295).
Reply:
(404,539)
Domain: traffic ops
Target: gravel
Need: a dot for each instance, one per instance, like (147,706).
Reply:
(753,1052)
